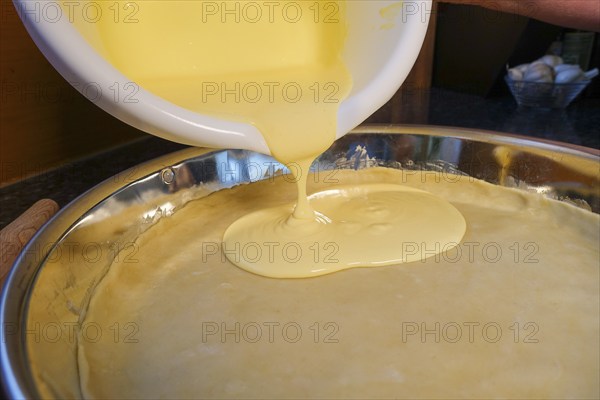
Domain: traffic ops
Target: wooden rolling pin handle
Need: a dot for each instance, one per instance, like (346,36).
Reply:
(16,234)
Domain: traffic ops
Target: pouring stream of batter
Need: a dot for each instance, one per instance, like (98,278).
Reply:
(287,79)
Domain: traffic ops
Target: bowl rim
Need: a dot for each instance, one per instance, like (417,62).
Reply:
(510,81)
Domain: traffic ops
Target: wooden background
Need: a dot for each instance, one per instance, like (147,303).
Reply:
(44,121)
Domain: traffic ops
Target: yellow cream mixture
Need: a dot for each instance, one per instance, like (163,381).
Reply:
(283,72)
(356,226)
(276,65)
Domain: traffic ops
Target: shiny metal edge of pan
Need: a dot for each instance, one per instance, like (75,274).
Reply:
(150,191)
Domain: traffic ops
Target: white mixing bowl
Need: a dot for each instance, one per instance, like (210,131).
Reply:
(381,48)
